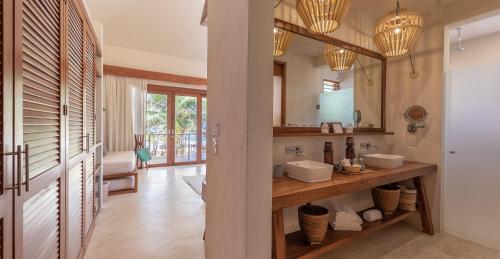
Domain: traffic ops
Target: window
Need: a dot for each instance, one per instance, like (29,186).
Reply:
(330,86)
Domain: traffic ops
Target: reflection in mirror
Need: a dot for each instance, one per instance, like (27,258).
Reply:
(315,82)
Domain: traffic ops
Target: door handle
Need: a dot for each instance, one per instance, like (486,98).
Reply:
(453,152)
(27,166)
(18,153)
(87,142)
(19,170)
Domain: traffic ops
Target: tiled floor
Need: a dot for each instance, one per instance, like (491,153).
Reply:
(166,220)
(403,241)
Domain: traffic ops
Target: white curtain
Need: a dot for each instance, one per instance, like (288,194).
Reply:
(125,101)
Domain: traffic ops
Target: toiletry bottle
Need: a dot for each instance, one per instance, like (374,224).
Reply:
(328,153)
(349,150)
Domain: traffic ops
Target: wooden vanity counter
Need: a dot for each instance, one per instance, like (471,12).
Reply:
(288,192)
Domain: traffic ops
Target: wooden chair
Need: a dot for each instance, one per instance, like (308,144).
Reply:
(139,144)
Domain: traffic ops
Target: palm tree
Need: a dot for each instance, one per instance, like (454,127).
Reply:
(185,118)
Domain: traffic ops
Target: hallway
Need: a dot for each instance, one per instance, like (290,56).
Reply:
(165,219)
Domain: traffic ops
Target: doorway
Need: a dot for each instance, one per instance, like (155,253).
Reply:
(472,145)
(176,125)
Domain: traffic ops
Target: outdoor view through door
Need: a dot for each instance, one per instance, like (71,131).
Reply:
(176,122)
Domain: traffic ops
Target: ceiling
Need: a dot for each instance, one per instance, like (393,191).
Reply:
(376,9)
(477,29)
(168,27)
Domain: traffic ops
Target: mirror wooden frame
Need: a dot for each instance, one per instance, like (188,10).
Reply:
(312,131)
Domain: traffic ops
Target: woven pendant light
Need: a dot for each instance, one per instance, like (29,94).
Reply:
(322,16)
(397,32)
(282,39)
(338,58)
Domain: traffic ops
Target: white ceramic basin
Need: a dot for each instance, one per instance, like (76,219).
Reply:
(384,161)
(309,171)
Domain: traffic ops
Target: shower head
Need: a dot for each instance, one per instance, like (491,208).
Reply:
(459,33)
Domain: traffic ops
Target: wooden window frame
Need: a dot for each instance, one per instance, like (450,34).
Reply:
(336,85)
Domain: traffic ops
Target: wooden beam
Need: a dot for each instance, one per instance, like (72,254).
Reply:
(144,74)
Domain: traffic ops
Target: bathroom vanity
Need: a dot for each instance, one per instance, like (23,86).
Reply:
(288,192)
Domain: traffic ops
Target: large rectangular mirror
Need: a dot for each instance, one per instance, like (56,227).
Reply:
(309,89)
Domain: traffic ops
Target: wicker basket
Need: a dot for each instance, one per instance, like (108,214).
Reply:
(408,199)
(313,221)
(386,198)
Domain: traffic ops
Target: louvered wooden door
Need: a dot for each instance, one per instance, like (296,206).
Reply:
(40,127)
(7,181)
(89,178)
(89,82)
(75,132)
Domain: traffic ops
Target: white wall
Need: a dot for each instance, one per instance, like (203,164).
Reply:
(481,50)
(426,90)
(303,87)
(138,59)
(239,176)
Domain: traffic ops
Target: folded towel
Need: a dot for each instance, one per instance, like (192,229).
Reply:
(343,212)
(348,228)
(344,218)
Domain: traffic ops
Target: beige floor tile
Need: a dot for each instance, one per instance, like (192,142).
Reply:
(166,219)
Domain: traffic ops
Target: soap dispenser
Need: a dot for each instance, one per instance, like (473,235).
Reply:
(328,153)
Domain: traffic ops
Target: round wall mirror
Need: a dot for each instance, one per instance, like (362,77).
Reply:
(415,114)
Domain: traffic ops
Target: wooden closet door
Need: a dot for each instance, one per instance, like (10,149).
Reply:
(76,153)
(89,81)
(40,128)
(75,86)
(89,178)
(6,131)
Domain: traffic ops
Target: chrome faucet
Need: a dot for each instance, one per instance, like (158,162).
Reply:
(368,146)
(361,161)
(297,150)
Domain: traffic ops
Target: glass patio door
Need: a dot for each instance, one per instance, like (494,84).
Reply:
(158,128)
(176,122)
(186,129)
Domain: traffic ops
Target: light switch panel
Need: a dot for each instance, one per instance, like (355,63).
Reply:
(214,130)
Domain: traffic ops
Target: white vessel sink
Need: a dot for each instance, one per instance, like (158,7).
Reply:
(309,171)
(384,161)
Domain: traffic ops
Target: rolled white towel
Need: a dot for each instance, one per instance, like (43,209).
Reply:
(372,215)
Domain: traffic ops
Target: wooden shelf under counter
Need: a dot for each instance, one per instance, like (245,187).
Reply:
(288,192)
(296,248)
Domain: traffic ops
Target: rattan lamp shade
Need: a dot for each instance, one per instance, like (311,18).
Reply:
(281,41)
(339,59)
(322,16)
(397,32)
